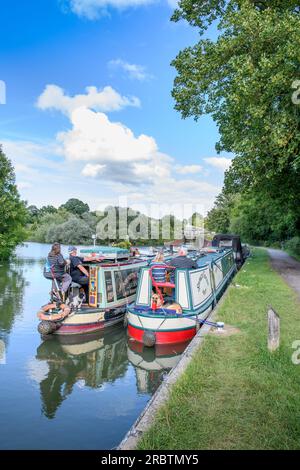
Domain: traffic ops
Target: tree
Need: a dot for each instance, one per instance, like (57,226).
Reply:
(13,211)
(47,210)
(75,206)
(196,220)
(244,80)
(218,218)
(74,231)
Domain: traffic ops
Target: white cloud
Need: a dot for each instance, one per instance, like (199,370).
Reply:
(221,163)
(93,9)
(188,169)
(94,137)
(173,3)
(134,71)
(93,170)
(107,160)
(107,99)
(24,185)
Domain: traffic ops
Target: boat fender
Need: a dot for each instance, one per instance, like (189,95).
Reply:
(63,313)
(46,327)
(149,339)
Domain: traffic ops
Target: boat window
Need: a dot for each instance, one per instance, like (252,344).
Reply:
(225,243)
(109,286)
(126,283)
(130,280)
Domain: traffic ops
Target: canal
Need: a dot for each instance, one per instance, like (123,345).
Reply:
(83,393)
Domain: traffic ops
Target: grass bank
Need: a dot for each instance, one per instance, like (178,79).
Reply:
(235,394)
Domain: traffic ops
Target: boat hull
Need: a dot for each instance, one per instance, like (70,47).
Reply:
(80,323)
(163,337)
(167,330)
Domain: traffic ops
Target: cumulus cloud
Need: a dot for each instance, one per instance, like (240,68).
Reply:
(94,137)
(134,71)
(93,170)
(188,169)
(112,160)
(24,185)
(221,163)
(105,99)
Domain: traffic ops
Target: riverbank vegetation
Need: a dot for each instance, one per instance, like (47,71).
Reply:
(235,394)
(248,81)
(13,211)
(74,223)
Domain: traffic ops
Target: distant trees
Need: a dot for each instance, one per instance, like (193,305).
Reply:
(73,231)
(75,206)
(113,225)
(13,212)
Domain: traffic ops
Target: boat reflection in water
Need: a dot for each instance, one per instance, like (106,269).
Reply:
(89,360)
(153,364)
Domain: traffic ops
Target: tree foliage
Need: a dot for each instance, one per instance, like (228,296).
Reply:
(75,206)
(13,212)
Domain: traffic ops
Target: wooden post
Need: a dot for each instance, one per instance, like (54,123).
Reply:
(274,330)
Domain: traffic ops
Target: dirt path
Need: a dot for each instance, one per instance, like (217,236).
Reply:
(288,268)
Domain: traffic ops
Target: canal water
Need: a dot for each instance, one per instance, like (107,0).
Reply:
(83,393)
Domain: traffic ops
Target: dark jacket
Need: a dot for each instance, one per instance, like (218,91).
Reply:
(183,262)
(57,263)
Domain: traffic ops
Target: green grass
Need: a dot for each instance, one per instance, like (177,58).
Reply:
(235,394)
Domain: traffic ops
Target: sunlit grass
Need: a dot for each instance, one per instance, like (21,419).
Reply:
(235,394)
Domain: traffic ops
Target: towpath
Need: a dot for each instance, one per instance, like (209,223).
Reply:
(288,268)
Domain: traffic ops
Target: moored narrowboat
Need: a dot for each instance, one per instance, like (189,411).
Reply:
(112,286)
(172,311)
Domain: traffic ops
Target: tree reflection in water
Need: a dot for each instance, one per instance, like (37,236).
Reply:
(12,284)
(94,358)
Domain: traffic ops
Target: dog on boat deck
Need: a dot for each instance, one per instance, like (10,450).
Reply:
(156,301)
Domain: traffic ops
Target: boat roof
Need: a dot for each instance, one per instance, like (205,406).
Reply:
(105,250)
(205,257)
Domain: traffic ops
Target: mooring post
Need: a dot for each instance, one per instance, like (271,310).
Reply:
(274,330)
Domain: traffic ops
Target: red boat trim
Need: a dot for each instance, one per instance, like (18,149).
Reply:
(163,337)
(85,328)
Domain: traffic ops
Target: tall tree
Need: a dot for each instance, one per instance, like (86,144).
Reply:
(244,80)
(13,211)
(75,206)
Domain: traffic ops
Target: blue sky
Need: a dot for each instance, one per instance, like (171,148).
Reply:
(120,139)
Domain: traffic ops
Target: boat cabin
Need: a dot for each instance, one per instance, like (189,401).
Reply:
(192,289)
(230,241)
(113,279)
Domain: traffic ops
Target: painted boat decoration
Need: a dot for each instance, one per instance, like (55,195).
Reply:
(112,286)
(195,293)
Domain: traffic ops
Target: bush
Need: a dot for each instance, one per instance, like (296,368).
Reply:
(292,246)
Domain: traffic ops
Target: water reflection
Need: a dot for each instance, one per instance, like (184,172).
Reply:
(89,392)
(153,364)
(89,361)
(12,284)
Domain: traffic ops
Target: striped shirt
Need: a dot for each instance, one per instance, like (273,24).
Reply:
(158,271)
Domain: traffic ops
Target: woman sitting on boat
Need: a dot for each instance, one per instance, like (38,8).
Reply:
(159,268)
(55,268)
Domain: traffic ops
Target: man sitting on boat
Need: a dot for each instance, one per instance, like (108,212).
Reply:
(182,261)
(79,273)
